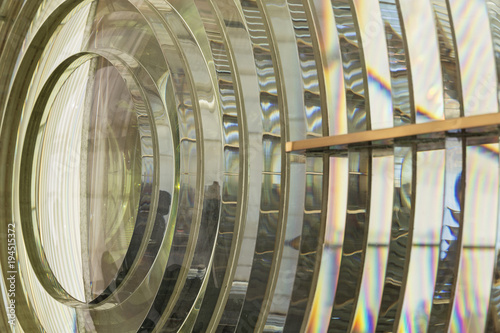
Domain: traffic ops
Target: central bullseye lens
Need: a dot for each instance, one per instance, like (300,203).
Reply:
(89,178)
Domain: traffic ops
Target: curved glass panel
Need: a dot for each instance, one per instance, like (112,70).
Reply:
(150,179)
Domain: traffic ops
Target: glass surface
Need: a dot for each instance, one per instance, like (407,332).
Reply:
(146,186)
(479,82)
(331,256)
(422,269)
(377,243)
(401,237)
(423,56)
(398,62)
(374,47)
(89,193)
(470,307)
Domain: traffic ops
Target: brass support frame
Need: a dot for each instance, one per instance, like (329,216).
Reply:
(396,132)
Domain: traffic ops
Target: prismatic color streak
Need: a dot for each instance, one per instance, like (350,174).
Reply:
(332,67)
(377,249)
(476,56)
(450,235)
(494,14)
(356,230)
(307,244)
(475,274)
(398,65)
(401,231)
(423,50)
(426,238)
(376,62)
(332,247)
(353,64)
(449,65)
(494,325)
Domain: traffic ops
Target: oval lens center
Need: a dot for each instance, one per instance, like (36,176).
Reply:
(89,178)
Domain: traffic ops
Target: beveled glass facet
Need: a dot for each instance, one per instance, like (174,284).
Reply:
(150,179)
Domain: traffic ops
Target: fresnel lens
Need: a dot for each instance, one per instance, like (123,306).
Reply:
(249,166)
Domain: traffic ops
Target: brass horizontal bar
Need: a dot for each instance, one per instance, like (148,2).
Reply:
(396,132)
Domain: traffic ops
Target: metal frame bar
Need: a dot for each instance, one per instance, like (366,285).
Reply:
(396,132)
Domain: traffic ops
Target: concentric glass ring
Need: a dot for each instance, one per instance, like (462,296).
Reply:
(249,166)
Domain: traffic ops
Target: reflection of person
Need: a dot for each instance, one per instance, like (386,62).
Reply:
(164,200)
(154,242)
(159,227)
(206,237)
(108,266)
(157,233)
(209,220)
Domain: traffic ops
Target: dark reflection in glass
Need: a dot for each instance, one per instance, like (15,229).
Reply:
(401,238)
(208,229)
(355,238)
(450,247)
(144,168)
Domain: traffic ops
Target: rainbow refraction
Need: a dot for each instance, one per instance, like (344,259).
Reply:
(151,180)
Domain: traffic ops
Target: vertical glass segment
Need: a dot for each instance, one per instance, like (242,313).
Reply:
(374,46)
(493,323)
(332,247)
(356,228)
(353,65)
(423,56)
(30,299)
(297,215)
(271,180)
(310,245)
(304,37)
(398,63)
(470,306)
(494,15)
(332,67)
(377,244)
(479,83)
(248,91)
(150,179)
(401,238)
(293,44)
(429,199)
(231,192)
(451,233)
(293,48)
(449,61)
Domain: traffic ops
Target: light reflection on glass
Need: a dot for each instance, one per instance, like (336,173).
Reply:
(470,306)
(474,46)
(332,248)
(332,66)
(377,249)
(449,251)
(144,165)
(356,229)
(423,55)
(425,246)
(353,64)
(401,226)
(398,63)
(449,63)
(376,62)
